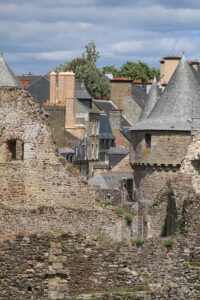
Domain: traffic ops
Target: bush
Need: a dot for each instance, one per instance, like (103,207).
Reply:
(106,202)
(119,211)
(138,242)
(128,217)
(169,244)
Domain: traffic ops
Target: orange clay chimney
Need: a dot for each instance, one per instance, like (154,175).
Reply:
(69,98)
(53,87)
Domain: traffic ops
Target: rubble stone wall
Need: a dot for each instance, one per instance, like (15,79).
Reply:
(166,147)
(41,187)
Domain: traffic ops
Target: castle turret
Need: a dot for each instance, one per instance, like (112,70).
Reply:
(151,100)
(160,140)
(7,77)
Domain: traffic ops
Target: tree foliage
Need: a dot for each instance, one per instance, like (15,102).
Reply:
(85,69)
(91,54)
(133,70)
(110,69)
(138,70)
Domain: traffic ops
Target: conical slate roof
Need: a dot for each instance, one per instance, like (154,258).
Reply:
(7,77)
(178,105)
(151,100)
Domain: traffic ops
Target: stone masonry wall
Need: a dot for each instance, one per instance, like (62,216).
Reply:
(78,267)
(167,147)
(56,121)
(40,193)
(191,162)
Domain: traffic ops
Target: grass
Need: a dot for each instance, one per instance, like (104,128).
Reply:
(128,217)
(169,244)
(106,202)
(138,242)
(119,211)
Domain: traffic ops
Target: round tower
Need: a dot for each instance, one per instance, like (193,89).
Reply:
(160,140)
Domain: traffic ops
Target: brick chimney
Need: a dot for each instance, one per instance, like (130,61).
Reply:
(53,87)
(69,98)
(61,86)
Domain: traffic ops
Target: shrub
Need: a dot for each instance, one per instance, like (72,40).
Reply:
(138,242)
(106,202)
(128,217)
(119,211)
(62,160)
(169,244)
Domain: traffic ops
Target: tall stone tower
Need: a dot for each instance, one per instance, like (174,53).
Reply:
(161,137)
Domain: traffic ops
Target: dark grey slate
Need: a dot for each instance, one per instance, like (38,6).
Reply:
(82,94)
(105,131)
(106,106)
(7,77)
(40,90)
(179,104)
(152,98)
(139,95)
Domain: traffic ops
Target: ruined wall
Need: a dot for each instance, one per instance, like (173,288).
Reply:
(153,168)
(121,96)
(39,193)
(78,267)
(191,162)
(56,121)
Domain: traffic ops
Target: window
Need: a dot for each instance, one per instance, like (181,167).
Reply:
(97,151)
(128,185)
(15,150)
(148,140)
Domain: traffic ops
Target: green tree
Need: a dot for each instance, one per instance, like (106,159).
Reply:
(138,70)
(110,69)
(91,54)
(85,69)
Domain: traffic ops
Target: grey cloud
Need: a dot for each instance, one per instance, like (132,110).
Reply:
(39,34)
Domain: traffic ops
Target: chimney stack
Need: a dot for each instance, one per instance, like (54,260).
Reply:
(69,98)
(53,87)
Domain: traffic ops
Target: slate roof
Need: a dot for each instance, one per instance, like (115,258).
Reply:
(82,94)
(105,131)
(40,90)
(139,95)
(178,104)
(7,77)
(108,180)
(115,155)
(105,105)
(152,98)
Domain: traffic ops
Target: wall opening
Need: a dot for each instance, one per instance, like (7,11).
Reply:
(15,149)
(148,140)
(170,223)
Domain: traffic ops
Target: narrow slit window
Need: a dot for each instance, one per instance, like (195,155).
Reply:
(148,140)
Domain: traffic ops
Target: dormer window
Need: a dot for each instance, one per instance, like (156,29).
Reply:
(148,140)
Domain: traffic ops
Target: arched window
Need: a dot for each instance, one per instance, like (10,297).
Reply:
(15,149)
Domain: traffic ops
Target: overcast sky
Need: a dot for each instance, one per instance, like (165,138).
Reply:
(37,35)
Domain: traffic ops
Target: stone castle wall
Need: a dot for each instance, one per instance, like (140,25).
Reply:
(167,147)
(154,167)
(40,187)
(78,267)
